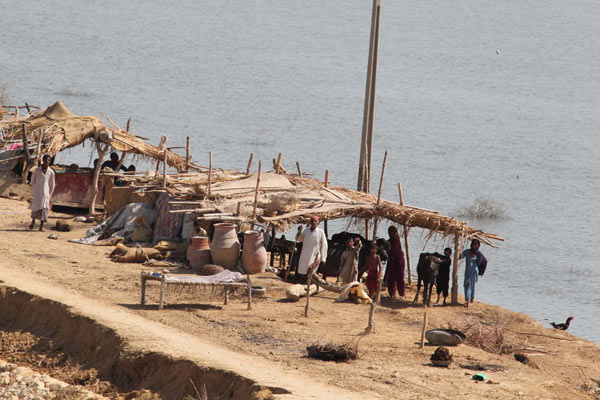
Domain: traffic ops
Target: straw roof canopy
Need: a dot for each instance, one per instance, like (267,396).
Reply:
(60,129)
(284,200)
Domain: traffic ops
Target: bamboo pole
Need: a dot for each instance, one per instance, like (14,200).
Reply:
(374,304)
(128,124)
(278,165)
(249,163)
(187,154)
(209,172)
(298,168)
(454,292)
(376,222)
(308,281)
(363,166)
(26,156)
(408,271)
(256,191)
(424,328)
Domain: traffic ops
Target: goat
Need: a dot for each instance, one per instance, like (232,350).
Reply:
(427,270)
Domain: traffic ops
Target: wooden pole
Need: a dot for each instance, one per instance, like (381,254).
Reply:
(454,293)
(256,191)
(187,154)
(367,228)
(408,271)
(249,163)
(326,183)
(308,281)
(26,156)
(424,328)
(101,153)
(128,124)
(372,61)
(369,141)
(298,168)
(209,172)
(278,165)
(374,305)
(161,145)
(165,169)
(376,222)
(39,145)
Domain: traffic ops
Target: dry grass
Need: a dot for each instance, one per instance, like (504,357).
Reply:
(483,208)
(333,351)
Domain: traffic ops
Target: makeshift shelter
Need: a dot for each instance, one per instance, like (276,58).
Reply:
(279,201)
(25,140)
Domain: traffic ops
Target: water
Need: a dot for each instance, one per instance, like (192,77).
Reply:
(459,120)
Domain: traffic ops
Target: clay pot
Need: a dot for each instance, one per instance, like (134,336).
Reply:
(198,252)
(225,247)
(254,256)
(210,269)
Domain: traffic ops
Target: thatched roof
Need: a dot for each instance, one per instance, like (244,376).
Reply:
(61,129)
(285,200)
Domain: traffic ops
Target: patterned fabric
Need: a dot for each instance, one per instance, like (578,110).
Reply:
(167,226)
(41,214)
(225,276)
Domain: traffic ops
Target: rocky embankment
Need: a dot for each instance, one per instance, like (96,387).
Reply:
(22,383)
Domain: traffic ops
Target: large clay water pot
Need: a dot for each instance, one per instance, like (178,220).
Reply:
(225,247)
(198,253)
(254,256)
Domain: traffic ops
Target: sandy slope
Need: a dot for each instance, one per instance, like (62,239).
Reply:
(268,343)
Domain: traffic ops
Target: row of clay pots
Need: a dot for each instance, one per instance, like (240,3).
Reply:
(224,250)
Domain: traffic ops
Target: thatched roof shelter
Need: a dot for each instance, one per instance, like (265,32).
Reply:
(59,129)
(285,199)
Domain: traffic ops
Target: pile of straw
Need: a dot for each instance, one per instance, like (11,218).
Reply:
(333,352)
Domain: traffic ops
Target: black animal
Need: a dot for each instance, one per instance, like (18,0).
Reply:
(564,326)
(337,245)
(427,270)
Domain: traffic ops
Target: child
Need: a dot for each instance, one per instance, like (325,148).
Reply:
(373,265)
(349,261)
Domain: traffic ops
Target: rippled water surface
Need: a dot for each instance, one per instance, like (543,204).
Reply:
(459,119)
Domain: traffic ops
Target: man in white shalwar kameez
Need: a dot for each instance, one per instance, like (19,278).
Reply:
(314,247)
(42,184)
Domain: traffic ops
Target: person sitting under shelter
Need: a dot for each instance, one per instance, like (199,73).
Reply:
(113,163)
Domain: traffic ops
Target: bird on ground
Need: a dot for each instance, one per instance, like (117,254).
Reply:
(564,326)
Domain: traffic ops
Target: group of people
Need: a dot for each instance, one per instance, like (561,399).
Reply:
(314,251)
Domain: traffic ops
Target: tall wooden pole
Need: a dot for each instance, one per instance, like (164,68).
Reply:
(376,222)
(367,137)
(457,249)
(298,168)
(408,271)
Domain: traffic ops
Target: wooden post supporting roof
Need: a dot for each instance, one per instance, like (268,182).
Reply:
(454,293)
(408,271)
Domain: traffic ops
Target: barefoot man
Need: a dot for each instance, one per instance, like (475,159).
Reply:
(42,183)
(314,247)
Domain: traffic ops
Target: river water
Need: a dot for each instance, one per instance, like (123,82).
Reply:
(475,98)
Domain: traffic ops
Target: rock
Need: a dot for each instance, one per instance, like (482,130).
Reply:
(80,218)
(295,292)
(23,371)
(63,226)
(52,236)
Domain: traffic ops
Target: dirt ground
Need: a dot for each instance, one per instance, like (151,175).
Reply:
(391,364)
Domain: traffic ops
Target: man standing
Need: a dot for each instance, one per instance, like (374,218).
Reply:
(42,183)
(314,247)
(475,264)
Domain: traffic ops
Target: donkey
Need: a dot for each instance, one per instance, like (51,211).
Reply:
(427,270)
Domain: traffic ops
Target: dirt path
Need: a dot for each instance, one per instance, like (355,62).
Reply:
(268,343)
